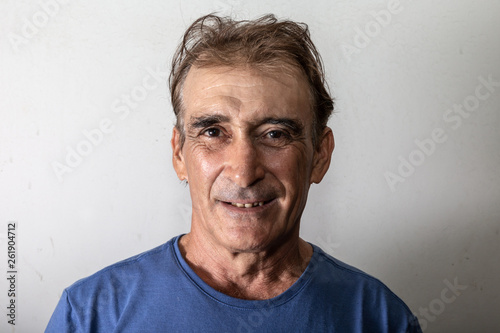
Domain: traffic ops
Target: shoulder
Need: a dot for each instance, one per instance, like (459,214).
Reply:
(126,274)
(346,274)
(100,299)
(356,289)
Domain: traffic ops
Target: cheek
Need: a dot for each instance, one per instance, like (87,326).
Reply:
(290,166)
(203,167)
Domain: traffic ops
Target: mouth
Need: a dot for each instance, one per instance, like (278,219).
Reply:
(247,205)
(250,204)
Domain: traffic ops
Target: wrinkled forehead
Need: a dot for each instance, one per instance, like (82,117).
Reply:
(277,89)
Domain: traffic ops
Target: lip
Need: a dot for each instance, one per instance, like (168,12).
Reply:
(242,210)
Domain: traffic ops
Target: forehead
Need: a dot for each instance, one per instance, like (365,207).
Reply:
(247,92)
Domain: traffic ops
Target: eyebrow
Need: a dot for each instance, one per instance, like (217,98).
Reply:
(293,125)
(206,121)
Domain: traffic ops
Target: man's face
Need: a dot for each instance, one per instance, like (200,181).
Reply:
(248,155)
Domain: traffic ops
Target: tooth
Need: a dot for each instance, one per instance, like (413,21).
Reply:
(247,205)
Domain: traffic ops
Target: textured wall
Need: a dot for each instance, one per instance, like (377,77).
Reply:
(413,191)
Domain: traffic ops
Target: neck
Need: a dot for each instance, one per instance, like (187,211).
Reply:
(255,275)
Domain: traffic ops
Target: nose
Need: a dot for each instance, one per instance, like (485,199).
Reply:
(244,165)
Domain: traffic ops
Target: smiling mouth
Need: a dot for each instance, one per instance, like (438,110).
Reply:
(251,204)
(247,205)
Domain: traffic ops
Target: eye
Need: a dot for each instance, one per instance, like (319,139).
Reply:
(275,134)
(212,132)
(278,135)
(276,138)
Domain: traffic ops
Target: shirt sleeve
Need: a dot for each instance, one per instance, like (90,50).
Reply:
(61,320)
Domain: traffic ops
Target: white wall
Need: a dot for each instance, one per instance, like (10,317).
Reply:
(67,73)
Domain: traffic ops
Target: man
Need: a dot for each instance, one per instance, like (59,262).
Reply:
(250,139)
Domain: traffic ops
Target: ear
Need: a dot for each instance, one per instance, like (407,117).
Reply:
(322,156)
(177,157)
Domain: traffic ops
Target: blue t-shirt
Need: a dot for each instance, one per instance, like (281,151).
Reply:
(157,291)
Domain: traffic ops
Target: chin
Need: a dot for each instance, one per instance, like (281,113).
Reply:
(244,241)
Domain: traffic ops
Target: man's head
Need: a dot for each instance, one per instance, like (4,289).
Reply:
(246,138)
(266,44)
